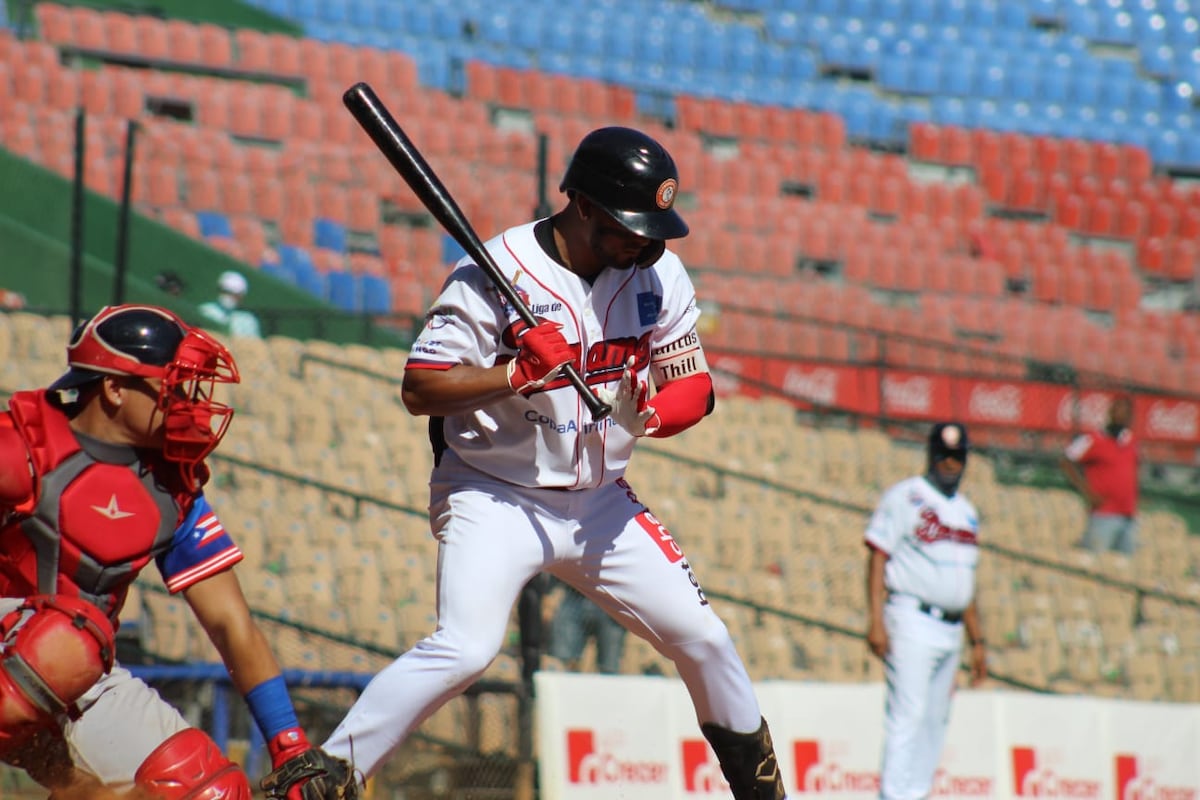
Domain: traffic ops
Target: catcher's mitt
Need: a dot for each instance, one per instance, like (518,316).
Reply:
(315,775)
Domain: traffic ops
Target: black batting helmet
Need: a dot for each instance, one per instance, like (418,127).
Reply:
(632,177)
(948,440)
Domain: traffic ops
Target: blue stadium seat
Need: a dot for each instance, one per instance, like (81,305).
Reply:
(333,13)
(390,17)
(420,19)
(1166,148)
(904,73)
(1085,88)
(376,294)
(342,288)
(329,235)
(361,14)
(1054,85)
(304,11)
(277,271)
(214,223)
(782,27)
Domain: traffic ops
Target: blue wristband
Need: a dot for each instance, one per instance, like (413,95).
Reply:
(271,706)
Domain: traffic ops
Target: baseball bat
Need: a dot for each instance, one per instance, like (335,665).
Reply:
(370,112)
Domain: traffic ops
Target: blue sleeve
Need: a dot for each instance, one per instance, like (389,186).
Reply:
(199,549)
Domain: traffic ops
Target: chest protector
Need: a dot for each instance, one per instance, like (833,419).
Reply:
(97,514)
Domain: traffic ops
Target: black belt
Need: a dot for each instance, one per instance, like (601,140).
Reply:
(938,613)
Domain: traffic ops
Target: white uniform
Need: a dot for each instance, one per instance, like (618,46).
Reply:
(532,484)
(932,544)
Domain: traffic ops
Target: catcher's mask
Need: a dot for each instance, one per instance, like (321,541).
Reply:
(151,342)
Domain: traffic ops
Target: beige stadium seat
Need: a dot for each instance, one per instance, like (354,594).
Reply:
(170,630)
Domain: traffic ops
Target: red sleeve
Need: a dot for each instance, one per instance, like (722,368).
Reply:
(16,474)
(682,403)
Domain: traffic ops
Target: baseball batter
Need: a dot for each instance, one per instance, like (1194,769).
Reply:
(923,542)
(525,481)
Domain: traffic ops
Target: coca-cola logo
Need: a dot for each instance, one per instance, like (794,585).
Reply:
(913,395)
(819,385)
(996,403)
(1168,420)
(1089,411)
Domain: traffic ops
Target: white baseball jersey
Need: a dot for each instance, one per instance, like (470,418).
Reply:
(932,542)
(549,438)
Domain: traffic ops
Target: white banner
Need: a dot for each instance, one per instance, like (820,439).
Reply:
(602,737)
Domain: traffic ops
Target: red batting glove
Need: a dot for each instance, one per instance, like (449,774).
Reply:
(543,354)
(287,744)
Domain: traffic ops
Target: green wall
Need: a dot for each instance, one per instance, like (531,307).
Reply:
(35,233)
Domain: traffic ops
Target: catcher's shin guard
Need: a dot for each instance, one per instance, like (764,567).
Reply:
(52,649)
(190,766)
(747,762)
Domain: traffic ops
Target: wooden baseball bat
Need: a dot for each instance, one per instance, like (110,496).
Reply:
(374,117)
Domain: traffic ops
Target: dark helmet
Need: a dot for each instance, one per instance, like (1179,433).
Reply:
(632,177)
(121,340)
(948,440)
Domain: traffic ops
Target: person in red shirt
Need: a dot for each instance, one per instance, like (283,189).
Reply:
(1103,468)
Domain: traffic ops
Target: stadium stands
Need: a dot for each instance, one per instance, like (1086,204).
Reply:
(1025,202)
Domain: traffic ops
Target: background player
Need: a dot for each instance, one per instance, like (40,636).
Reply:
(1103,467)
(923,541)
(525,481)
(100,474)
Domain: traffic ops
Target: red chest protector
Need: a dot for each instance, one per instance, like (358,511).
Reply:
(97,514)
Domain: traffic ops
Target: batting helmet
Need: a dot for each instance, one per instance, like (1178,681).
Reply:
(948,440)
(632,177)
(151,342)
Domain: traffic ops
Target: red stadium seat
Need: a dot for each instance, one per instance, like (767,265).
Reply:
(156,185)
(253,50)
(1181,260)
(183,41)
(1130,220)
(89,28)
(286,59)
(216,46)
(1078,157)
(119,33)
(63,90)
(1100,217)
(1047,154)
(151,36)
(1151,255)
(1162,220)
(482,82)
(54,23)
(925,141)
(203,191)
(237,197)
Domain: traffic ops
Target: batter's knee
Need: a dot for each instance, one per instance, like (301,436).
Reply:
(190,766)
(469,658)
(714,645)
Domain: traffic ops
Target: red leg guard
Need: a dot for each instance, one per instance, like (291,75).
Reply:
(190,766)
(53,649)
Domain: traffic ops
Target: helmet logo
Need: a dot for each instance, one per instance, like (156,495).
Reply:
(665,196)
(951,436)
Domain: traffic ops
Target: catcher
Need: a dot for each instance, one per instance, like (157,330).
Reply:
(100,474)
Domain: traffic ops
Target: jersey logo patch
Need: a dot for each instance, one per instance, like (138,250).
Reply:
(111,511)
(661,536)
(648,305)
(208,528)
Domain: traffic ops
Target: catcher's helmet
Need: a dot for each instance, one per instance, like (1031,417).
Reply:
(151,342)
(632,177)
(948,440)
